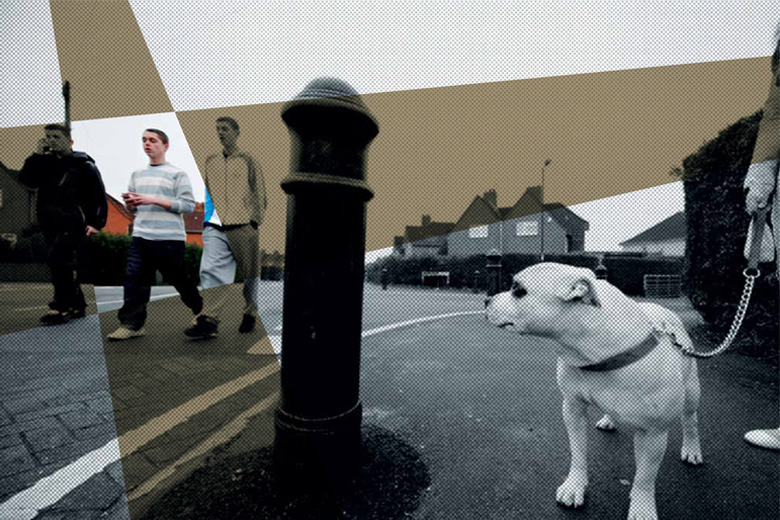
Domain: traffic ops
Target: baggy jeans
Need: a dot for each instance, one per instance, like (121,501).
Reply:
(144,259)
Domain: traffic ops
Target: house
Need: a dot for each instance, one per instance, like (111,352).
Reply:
(120,221)
(428,239)
(193,225)
(484,226)
(667,238)
(17,205)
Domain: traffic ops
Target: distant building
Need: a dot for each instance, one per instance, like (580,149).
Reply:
(120,221)
(667,238)
(17,205)
(193,225)
(484,226)
(428,239)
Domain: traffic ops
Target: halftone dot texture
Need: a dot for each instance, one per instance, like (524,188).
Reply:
(478,404)
(108,59)
(31,65)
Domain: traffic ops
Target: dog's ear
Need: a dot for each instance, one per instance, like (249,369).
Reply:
(581,290)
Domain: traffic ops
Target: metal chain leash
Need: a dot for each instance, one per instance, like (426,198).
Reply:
(735,325)
(750,273)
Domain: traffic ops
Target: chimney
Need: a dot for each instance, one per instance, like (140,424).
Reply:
(426,220)
(491,197)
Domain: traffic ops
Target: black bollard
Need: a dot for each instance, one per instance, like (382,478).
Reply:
(317,423)
(493,268)
(385,278)
(601,270)
(475,289)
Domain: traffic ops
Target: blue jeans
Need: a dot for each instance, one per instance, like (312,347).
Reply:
(144,259)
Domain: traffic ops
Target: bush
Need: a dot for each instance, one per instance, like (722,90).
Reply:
(628,274)
(717,227)
(192,254)
(625,273)
(106,259)
(103,260)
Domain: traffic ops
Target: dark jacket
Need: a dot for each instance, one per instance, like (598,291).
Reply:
(70,190)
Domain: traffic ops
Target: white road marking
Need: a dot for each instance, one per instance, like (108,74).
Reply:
(276,341)
(153,298)
(26,504)
(386,328)
(223,435)
(47,491)
(36,308)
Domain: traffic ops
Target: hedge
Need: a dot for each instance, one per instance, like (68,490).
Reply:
(104,262)
(627,273)
(107,257)
(717,226)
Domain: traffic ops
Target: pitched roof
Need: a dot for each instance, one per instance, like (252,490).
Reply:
(431,234)
(565,217)
(479,213)
(119,207)
(483,211)
(530,204)
(503,212)
(672,228)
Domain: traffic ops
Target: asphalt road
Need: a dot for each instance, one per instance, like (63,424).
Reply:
(480,406)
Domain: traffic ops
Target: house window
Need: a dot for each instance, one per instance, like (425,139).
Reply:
(478,232)
(527,229)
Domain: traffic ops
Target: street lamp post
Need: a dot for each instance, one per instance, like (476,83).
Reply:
(541,252)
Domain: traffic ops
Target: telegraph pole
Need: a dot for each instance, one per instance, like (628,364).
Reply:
(541,252)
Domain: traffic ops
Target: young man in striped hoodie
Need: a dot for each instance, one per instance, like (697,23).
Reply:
(158,195)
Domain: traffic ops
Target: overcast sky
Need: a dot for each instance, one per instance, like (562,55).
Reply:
(218,54)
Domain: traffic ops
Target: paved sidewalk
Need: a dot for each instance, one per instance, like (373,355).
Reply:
(68,395)
(56,405)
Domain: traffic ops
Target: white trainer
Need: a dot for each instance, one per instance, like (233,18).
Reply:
(769,439)
(125,333)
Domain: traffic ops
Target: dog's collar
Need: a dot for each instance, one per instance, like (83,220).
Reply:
(624,358)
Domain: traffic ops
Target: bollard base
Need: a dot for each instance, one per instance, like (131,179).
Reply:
(317,454)
(392,482)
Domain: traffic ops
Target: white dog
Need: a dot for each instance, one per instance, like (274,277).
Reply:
(617,354)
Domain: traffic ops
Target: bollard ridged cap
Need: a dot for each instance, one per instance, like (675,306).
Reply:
(335,93)
(328,87)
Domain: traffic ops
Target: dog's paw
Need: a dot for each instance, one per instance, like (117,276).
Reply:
(691,454)
(642,507)
(572,492)
(606,424)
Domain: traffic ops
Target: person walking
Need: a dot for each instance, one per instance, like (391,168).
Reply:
(71,206)
(159,195)
(761,181)
(234,209)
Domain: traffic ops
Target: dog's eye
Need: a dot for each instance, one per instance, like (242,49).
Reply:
(518,291)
